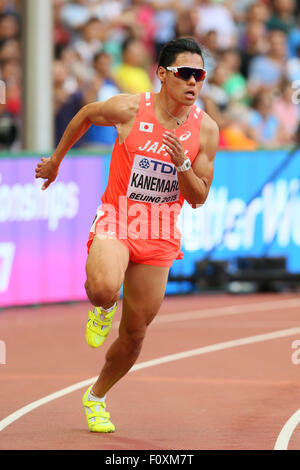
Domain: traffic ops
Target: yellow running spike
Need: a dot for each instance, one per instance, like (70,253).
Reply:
(98,326)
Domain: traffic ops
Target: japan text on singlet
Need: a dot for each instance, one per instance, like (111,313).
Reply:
(142,177)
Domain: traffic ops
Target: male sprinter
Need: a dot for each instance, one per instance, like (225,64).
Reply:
(164,154)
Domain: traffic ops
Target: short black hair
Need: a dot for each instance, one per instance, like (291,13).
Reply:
(177,46)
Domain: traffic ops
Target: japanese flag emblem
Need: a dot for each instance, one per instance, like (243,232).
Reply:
(146,126)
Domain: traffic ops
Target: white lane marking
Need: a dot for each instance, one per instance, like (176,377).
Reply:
(154,362)
(42,401)
(223,311)
(286,432)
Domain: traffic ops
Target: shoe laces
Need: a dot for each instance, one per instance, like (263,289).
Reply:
(96,411)
(103,319)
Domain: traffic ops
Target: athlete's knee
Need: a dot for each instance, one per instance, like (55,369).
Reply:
(101,292)
(133,337)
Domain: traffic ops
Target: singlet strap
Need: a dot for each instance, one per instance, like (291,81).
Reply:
(197,115)
(145,103)
(147,97)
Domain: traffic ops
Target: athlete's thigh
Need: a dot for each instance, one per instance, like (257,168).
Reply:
(143,293)
(107,259)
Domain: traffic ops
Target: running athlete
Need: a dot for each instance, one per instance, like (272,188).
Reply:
(164,154)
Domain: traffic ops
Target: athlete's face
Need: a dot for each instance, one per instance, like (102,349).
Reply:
(184,91)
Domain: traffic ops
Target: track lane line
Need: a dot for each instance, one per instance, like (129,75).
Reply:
(286,432)
(223,311)
(154,362)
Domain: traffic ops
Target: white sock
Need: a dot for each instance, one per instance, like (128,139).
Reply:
(93,397)
(108,309)
(102,317)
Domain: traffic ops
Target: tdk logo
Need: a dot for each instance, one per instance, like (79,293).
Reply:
(156,165)
(144,163)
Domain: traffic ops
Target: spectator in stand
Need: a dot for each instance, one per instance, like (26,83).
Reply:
(253,43)
(259,11)
(235,135)
(9,6)
(8,129)
(92,23)
(138,19)
(9,27)
(210,41)
(293,69)
(294,39)
(10,111)
(214,97)
(238,9)
(78,73)
(265,127)
(108,11)
(62,34)
(10,73)
(216,16)
(266,72)
(10,50)
(211,52)
(286,110)
(283,17)
(92,36)
(235,85)
(66,102)
(132,76)
(77,13)
(165,17)
(185,25)
(215,86)
(104,87)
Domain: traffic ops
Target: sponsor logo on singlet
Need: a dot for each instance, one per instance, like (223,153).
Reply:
(185,136)
(153,181)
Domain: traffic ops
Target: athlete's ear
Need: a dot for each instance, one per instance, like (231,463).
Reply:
(161,73)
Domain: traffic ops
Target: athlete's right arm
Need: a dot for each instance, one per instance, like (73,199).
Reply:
(113,112)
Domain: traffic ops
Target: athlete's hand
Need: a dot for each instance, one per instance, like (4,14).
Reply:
(174,148)
(47,170)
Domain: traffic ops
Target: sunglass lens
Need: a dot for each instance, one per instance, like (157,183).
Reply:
(186,72)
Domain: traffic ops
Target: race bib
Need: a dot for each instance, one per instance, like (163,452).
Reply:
(153,181)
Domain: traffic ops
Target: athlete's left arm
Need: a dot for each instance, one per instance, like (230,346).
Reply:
(194,184)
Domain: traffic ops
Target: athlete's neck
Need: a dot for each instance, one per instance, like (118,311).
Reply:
(171,109)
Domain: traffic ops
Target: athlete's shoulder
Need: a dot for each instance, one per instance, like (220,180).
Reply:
(118,109)
(209,136)
(126,101)
(209,126)
(127,106)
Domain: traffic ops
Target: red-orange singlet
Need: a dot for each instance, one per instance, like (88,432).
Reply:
(142,199)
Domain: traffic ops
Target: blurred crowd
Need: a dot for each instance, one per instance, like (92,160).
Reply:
(104,47)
